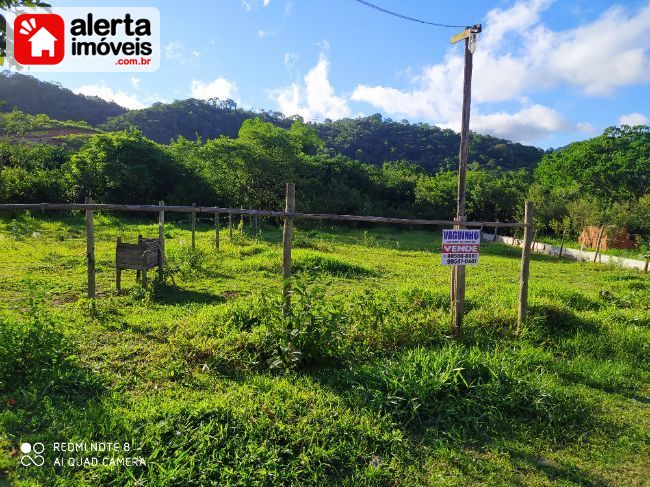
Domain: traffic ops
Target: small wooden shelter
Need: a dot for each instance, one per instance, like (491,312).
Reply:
(140,257)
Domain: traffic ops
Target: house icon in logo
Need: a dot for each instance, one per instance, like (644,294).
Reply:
(39,39)
(42,41)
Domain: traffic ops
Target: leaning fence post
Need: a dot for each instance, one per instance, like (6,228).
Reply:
(193,225)
(90,248)
(525,265)
(216,230)
(161,240)
(287,236)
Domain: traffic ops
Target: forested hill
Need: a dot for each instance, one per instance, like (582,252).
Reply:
(33,96)
(372,139)
(375,139)
(190,119)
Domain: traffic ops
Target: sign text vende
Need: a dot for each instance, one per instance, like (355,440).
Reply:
(460,247)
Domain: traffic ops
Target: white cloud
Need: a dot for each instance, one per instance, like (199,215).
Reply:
(264,33)
(527,125)
(176,51)
(218,88)
(314,97)
(135,81)
(290,59)
(119,97)
(633,119)
(517,56)
(254,4)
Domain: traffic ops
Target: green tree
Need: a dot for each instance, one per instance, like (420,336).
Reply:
(124,167)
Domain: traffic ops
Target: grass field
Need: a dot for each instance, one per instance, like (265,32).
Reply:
(361,385)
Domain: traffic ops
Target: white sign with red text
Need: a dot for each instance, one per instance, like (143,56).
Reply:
(83,39)
(460,247)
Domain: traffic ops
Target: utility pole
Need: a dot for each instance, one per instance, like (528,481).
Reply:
(458,271)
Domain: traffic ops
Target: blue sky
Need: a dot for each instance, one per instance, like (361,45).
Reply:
(545,72)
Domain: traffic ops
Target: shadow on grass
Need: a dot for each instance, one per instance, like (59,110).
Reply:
(172,295)
(552,471)
(556,321)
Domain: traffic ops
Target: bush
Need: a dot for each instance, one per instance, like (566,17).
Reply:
(35,354)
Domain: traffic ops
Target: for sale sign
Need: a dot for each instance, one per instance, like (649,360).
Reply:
(460,247)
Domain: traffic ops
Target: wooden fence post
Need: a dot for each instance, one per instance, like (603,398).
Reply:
(193,225)
(287,236)
(90,248)
(118,271)
(458,295)
(230,225)
(216,230)
(562,244)
(525,265)
(600,236)
(161,241)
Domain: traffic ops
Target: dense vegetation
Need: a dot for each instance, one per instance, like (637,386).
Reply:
(215,152)
(33,96)
(249,170)
(375,139)
(600,181)
(371,140)
(360,385)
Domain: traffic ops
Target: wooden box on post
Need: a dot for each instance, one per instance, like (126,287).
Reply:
(139,257)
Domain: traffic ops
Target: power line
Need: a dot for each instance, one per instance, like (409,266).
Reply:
(406,17)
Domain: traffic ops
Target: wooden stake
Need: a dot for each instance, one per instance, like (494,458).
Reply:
(600,236)
(562,244)
(525,265)
(230,225)
(193,225)
(287,237)
(216,230)
(161,241)
(90,248)
(118,272)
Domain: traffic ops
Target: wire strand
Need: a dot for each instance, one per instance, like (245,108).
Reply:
(406,17)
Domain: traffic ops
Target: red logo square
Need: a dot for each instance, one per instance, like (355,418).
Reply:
(39,39)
